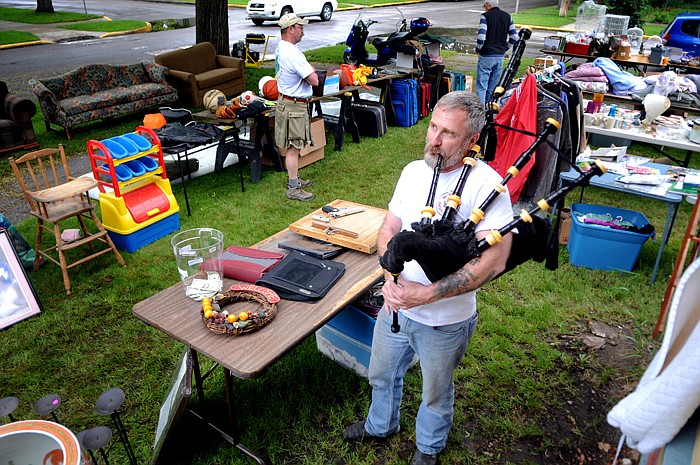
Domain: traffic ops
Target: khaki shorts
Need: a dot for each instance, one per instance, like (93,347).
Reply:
(292,127)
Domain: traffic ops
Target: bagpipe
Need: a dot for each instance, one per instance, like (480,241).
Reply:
(442,247)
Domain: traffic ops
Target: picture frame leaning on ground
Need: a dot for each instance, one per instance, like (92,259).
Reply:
(18,300)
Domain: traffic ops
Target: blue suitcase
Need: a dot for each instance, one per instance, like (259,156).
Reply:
(404,101)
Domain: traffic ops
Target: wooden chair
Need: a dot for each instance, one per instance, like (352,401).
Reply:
(54,196)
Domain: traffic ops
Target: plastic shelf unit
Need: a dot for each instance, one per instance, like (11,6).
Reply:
(137,203)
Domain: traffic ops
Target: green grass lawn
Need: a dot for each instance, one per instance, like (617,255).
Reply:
(513,377)
(23,15)
(16,37)
(525,369)
(107,26)
(545,17)
(521,367)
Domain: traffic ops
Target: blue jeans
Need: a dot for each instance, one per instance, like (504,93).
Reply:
(488,72)
(440,350)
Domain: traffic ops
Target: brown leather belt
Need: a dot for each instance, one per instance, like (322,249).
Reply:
(296,99)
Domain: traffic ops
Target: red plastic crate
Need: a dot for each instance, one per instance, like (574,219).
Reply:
(577,49)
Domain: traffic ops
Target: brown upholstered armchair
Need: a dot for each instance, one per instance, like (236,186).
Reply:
(197,69)
(16,130)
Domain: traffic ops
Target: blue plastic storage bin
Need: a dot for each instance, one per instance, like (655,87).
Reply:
(601,247)
(141,142)
(347,339)
(137,168)
(149,163)
(123,173)
(129,146)
(116,150)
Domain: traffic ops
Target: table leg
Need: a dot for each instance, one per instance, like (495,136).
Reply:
(672,209)
(182,179)
(197,374)
(223,150)
(352,124)
(233,436)
(262,123)
(339,129)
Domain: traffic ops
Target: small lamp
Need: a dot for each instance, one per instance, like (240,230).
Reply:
(654,106)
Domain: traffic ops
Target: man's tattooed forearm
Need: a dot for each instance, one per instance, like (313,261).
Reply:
(461,281)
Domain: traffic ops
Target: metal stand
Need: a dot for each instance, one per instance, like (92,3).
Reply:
(47,406)
(108,404)
(94,440)
(7,406)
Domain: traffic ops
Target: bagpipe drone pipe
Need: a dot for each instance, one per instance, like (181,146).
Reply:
(487,140)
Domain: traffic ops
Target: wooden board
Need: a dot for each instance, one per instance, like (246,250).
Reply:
(366,224)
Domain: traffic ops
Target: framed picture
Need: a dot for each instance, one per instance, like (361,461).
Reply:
(17,297)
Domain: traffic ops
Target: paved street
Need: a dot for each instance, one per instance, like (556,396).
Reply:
(19,65)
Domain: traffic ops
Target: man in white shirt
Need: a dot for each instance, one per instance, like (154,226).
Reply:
(295,77)
(438,318)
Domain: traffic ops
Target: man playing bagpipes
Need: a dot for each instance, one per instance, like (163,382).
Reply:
(436,318)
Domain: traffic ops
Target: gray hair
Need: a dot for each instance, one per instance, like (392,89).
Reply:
(492,2)
(469,103)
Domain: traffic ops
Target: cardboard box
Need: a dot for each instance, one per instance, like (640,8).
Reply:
(623,52)
(564,226)
(310,153)
(469,83)
(404,61)
(332,84)
(554,43)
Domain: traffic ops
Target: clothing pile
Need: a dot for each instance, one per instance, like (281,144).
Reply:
(603,75)
(681,90)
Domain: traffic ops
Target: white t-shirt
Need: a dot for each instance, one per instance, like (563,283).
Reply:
(410,197)
(291,68)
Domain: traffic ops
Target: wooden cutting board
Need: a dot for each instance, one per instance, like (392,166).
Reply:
(366,224)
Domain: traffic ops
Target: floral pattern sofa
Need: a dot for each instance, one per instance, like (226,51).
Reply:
(101,91)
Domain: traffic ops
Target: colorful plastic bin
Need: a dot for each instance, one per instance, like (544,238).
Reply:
(347,340)
(601,247)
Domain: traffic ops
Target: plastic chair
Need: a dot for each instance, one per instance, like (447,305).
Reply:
(54,196)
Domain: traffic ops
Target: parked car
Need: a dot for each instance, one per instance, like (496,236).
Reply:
(684,32)
(260,11)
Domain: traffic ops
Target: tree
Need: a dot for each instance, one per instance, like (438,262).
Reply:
(211,21)
(563,7)
(44,6)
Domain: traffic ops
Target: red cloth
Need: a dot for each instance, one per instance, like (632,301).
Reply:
(519,112)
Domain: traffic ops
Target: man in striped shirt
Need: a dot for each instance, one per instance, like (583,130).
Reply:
(496,34)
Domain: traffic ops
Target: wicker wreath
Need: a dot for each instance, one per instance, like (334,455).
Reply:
(219,321)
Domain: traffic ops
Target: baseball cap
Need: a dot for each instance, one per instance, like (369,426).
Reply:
(290,19)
